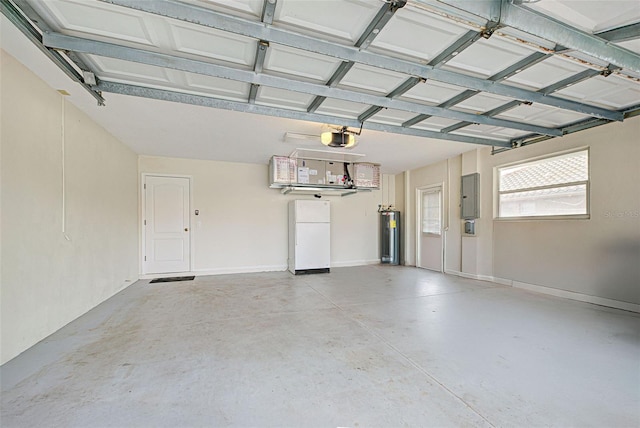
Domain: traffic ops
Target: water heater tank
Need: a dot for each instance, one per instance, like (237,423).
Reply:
(390,237)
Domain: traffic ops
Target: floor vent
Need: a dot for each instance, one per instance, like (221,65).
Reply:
(172,279)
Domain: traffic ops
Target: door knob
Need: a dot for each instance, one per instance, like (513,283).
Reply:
(186,229)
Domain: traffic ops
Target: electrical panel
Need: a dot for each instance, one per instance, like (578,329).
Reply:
(469,196)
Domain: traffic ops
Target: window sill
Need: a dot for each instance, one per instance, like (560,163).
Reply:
(544,218)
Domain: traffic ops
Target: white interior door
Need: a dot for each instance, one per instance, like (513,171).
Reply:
(430,242)
(167,228)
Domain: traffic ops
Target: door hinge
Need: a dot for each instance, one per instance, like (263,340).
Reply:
(145,185)
(145,222)
(145,258)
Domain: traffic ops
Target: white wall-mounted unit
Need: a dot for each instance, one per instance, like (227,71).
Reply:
(289,172)
(309,236)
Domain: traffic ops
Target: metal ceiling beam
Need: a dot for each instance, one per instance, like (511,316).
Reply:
(42,27)
(465,95)
(77,44)
(416,119)
(511,14)
(213,19)
(371,111)
(404,87)
(32,33)
(457,99)
(268,11)
(159,94)
(501,109)
(621,34)
(454,49)
(632,111)
(340,72)
(333,81)
(488,10)
(467,39)
(455,127)
(401,89)
(261,53)
(571,80)
(519,66)
(253,93)
(494,112)
(317,101)
(385,13)
(381,19)
(569,129)
(540,25)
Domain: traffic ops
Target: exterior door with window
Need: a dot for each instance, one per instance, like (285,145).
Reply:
(166,224)
(430,242)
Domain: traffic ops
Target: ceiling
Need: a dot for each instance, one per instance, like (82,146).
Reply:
(227,79)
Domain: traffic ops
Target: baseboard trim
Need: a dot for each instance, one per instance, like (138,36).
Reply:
(242,269)
(488,278)
(219,271)
(503,281)
(352,263)
(251,269)
(602,301)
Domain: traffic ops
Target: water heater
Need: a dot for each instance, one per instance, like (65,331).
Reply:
(390,237)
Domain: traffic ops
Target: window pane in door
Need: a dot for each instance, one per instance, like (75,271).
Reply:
(431,221)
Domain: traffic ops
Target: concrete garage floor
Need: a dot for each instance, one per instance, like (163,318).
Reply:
(363,346)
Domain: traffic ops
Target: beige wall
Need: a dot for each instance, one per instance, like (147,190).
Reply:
(47,280)
(399,205)
(242,225)
(448,174)
(595,257)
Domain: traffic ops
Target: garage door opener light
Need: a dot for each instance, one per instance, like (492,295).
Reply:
(342,137)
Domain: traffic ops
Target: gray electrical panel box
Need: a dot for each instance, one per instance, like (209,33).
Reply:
(469,196)
(469,227)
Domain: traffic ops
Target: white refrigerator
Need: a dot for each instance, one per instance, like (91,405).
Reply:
(309,236)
